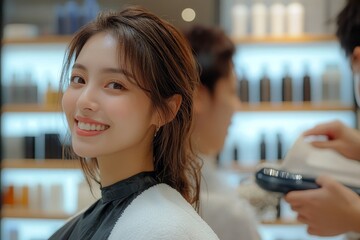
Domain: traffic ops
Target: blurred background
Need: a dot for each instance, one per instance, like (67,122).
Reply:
(292,74)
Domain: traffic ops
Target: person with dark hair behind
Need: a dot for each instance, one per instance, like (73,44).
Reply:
(334,209)
(215,101)
(129,79)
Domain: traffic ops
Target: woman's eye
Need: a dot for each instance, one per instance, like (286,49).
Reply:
(115,85)
(77,79)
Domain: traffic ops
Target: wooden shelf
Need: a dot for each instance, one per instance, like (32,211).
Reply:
(285,39)
(244,107)
(39,40)
(40,164)
(292,106)
(25,213)
(243,40)
(12,108)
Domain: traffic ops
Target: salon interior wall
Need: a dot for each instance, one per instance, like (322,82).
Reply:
(44,61)
(253,60)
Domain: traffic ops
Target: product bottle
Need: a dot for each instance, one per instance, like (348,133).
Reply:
(244,89)
(72,17)
(24,199)
(90,10)
(279,146)
(53,146)
(259,13)
(31,91)
(306,87)
(29,147)
(277,19)
(287,88)
(295,19)
(239,20)
(235,154)
(12,96)
(265,89)
(262,147)
(9,195)
(60,20)
(331,83)
(48,94)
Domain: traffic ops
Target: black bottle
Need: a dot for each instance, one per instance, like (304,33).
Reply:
(262,147)
(244,90)
(287,88)
(235,154)
(279,147)
(53,147)
(278,208)
(265,89)
(29,147)
(306,88)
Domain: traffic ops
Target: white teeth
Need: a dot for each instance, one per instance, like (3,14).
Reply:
(91,127)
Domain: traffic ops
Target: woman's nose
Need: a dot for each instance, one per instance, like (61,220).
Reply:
(88,99)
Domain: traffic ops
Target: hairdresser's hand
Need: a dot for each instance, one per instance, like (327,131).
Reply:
(343,139)
(330,210)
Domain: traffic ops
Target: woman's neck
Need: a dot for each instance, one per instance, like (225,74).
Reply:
(116,168)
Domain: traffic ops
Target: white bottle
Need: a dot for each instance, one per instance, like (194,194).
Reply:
(295,19)
(331,79)
(259,14)
(277,19)
(239,20)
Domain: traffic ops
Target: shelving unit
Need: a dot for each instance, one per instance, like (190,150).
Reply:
(285,39)
(292,106)
(40,164)
(51,39)
(244,107)
(29,108)
(263,109)
(26,213)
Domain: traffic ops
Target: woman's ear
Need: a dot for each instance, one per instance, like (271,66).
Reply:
(173,103)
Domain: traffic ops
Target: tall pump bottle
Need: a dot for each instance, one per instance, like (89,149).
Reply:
(259,14)
(295,18)
(277,19)
(240,14)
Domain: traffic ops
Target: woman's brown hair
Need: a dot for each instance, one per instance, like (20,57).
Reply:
(161,61)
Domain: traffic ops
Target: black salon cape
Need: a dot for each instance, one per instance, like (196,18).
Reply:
(98,220)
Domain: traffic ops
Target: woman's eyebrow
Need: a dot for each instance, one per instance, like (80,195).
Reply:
(107,70)
(118,70)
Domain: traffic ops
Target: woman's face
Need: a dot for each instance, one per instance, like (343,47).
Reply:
(213,121)
(107,113)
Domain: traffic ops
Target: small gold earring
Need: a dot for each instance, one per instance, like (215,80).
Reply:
(157,129)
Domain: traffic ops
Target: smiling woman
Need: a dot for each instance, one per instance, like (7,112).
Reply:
(128,104)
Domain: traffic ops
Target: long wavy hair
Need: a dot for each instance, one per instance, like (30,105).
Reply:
(163,65)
